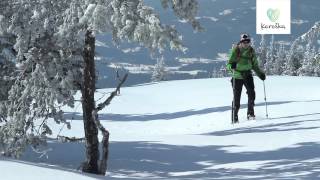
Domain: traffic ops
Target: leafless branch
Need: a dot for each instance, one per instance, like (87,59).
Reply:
(113,94)
(69,139)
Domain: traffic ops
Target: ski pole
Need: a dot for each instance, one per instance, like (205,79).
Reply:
(265,99)
(233,102)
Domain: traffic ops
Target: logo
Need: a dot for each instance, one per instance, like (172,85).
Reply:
(273,14)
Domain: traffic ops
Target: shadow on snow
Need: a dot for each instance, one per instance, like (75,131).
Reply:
(278,127)
(164,116)
(149,160)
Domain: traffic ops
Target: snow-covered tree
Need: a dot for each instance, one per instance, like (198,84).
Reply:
(307,68)
(280,59)
(311,39)
(253,43)
(271,57)
(54,45)
(219,72)
(7,65)
(214,73)
(184,10)
(262,51)
(44,80)
(159,72)
(317,65)
(296,57)
(311,36)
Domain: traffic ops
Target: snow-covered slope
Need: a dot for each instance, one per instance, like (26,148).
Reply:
(182,130)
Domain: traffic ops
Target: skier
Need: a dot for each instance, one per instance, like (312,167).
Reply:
(242,60)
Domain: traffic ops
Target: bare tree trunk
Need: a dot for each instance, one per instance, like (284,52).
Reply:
(88,106)
(93,164)
(105,153)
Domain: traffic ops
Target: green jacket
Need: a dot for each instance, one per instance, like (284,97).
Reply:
(247,62)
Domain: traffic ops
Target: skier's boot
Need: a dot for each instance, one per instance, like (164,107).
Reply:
(251,117)
(236,120)
(250,112)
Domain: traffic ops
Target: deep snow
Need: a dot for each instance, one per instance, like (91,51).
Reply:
(182,130)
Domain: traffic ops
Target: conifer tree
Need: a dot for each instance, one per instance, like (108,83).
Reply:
(53,46)
(159,72)
(262,51)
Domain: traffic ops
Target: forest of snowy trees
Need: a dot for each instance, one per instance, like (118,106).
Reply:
(300,58)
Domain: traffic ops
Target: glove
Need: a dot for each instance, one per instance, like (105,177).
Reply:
(262,76)
(233,65)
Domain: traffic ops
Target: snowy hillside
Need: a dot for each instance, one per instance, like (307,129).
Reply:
(182,130)
(224,21)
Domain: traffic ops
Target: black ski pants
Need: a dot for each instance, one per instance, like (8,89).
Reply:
(249,84)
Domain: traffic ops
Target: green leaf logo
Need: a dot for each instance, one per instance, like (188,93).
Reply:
(273,14)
